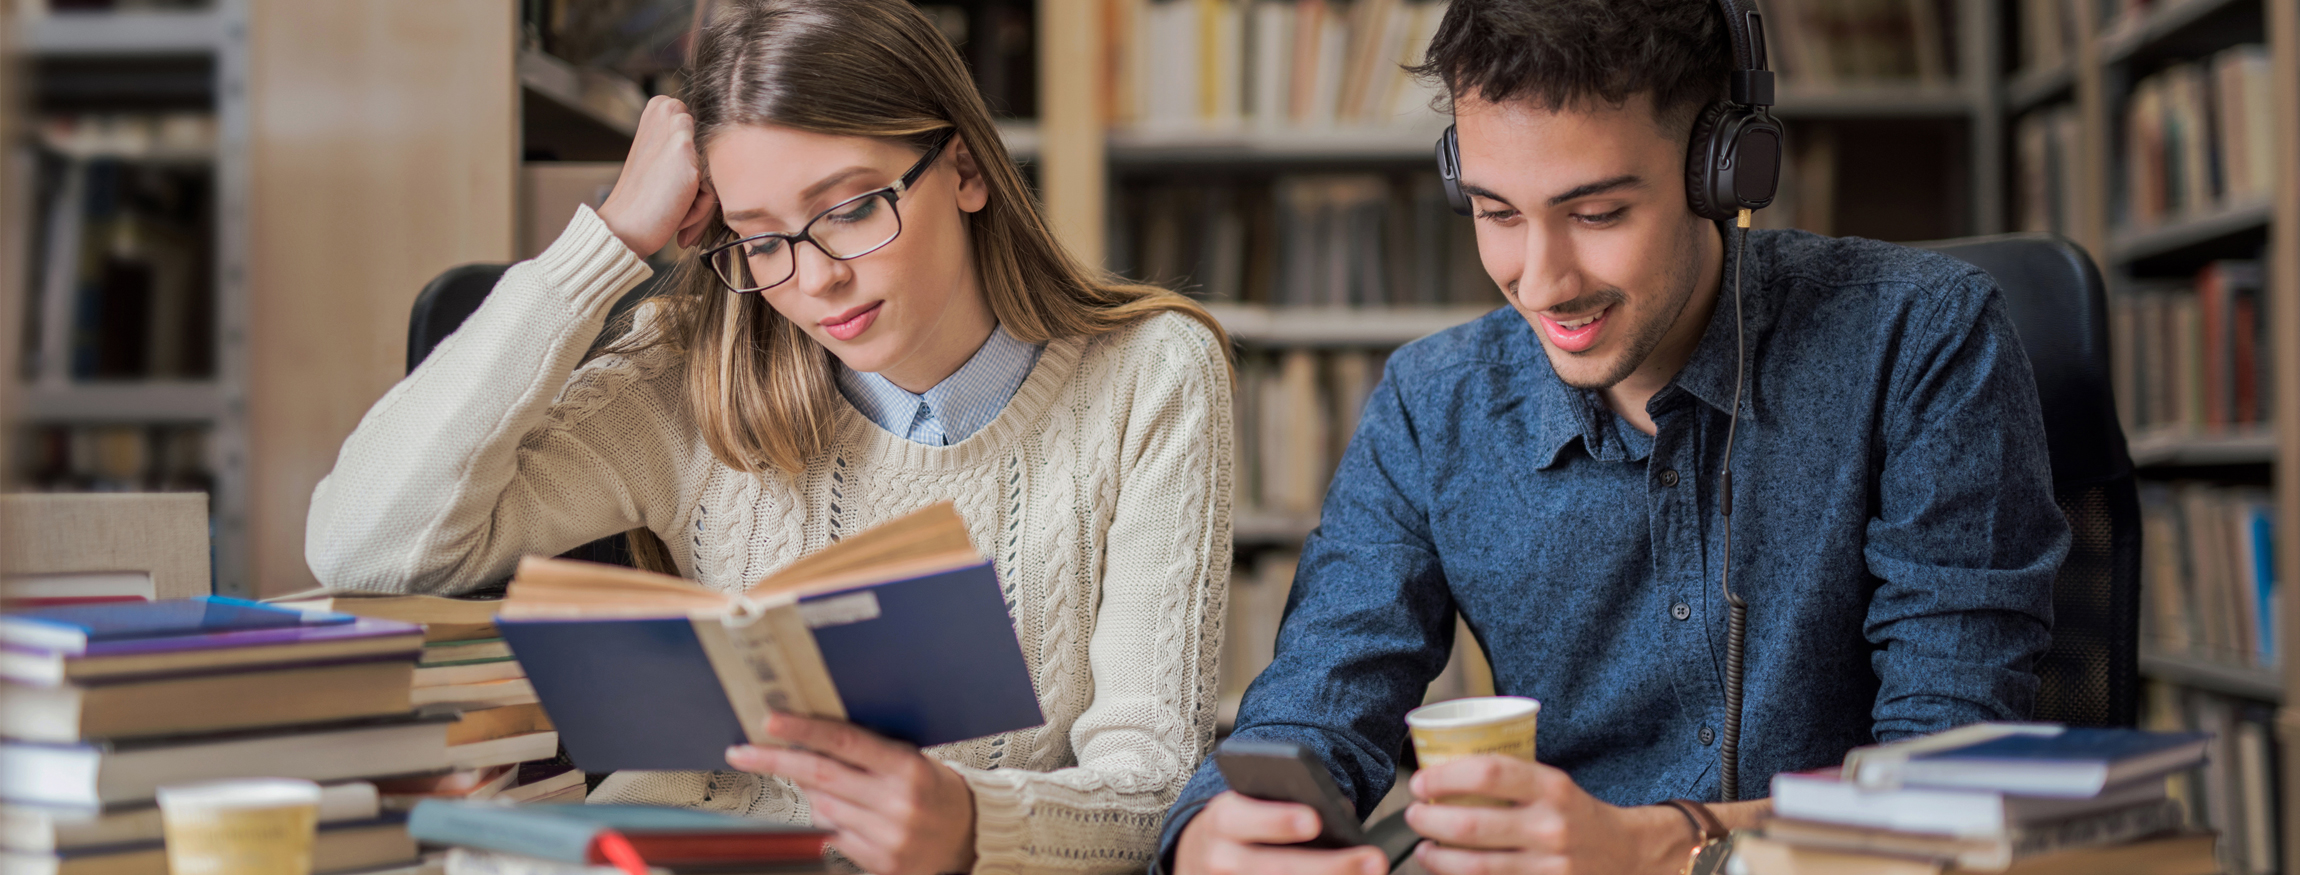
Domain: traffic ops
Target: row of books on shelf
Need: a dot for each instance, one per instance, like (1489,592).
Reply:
(121,271)
(1344,239)
(2234,793)
(104,698)
(2193,356)
(1826,43)
(2198,137)
(1994,797)
(169,457)
(2210,572)
(1296,411)
(1270,63)
(2048,30)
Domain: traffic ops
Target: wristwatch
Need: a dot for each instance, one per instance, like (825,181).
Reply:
(1712,842)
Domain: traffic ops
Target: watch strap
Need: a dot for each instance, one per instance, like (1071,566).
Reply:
(1706,827)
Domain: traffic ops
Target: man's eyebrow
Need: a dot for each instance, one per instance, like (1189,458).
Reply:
(809,194)
(1630,180)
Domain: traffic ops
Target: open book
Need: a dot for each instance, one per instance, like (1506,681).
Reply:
(901,629)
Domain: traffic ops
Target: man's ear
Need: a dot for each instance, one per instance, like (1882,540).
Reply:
(973,190)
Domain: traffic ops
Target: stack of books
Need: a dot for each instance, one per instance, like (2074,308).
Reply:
(501,743)
(494,839)
(2030,799)
(103,704)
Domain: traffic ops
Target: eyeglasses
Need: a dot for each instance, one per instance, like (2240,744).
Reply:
(850,229)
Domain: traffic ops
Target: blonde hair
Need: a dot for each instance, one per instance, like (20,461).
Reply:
(758,387)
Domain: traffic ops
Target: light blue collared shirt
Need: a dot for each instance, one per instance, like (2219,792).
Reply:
(958,406)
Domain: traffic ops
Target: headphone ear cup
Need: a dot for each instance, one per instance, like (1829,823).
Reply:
(1702,151)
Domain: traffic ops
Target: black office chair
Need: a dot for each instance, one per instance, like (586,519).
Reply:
(451,298)
(2053,293)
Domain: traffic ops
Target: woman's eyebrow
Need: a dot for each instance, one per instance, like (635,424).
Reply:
(811,192)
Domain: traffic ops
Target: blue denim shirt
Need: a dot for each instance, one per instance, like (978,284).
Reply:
(1894,534)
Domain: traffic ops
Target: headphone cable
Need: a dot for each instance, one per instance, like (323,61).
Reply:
(1737,611)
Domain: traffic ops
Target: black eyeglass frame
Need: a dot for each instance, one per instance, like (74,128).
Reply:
(892,193)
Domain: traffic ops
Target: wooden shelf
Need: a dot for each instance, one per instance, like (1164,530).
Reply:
(1274,145)
(122,33)
(2218,677)
(1874,101)
(2250,446)
(1270,529)
(2211,227)
(561,83)
(2130,34)
(124,402)
(1338,326)
(2029,89)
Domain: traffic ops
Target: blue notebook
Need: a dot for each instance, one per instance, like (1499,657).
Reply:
(2073,762)
(71,628)
(929,660)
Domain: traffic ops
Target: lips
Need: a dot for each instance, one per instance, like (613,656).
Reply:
(1583,331)
(852,323)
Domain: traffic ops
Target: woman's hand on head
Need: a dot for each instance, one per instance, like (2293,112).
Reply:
(660,192)
(893,811)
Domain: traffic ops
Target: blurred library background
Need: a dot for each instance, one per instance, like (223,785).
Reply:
(214,215)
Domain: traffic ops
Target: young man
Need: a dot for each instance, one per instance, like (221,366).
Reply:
(1550,472)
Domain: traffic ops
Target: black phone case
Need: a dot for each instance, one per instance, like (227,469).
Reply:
(1282,771)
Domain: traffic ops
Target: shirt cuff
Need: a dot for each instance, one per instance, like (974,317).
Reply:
(1171,837)
(590,265)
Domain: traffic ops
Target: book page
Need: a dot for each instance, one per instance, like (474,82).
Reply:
(932,537)
(767,662)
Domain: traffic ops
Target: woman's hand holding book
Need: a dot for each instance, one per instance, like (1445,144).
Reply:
(894,811)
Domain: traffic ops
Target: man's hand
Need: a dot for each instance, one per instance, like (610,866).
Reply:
(892,810)
(1555,828)
(1234,835)
(660,191)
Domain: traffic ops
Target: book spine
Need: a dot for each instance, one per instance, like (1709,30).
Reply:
(767,661)
(2123,824)
(502,829)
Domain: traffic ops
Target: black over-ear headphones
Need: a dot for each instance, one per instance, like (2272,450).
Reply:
(1733,161)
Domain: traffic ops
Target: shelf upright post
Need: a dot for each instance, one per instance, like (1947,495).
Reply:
(15,236)
(1979,58)
(2283,21)
(228,435)
(2090,86)
(1072,172)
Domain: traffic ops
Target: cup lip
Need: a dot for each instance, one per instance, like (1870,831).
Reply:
(1433,716)
(240,793)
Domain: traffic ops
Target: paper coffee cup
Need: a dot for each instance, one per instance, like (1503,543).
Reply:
(258,826)
(1458,728)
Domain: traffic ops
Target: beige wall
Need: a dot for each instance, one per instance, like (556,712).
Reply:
(383,149)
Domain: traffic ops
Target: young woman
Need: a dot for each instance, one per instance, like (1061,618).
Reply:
(875,318)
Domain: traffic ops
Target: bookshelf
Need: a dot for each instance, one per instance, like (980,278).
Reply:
(2143,88)
(153,101)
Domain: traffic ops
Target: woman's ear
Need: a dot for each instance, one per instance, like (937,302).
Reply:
(973,190)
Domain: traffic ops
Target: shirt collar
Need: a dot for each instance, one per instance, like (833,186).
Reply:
(1565,413)
(958,406)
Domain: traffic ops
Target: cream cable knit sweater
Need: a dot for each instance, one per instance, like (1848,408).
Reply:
(1101,492)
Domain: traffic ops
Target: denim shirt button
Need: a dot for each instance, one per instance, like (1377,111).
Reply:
(1708,736)
(1669,479)
(1683,612)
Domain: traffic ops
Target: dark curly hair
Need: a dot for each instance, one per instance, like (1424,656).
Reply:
(1559,52)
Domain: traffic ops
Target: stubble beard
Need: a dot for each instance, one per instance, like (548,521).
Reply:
(1649,335)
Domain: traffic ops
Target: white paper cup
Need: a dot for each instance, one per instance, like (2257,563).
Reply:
(255,826)
(1458,728)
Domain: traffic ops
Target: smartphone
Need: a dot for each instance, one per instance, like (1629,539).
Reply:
(1282,771)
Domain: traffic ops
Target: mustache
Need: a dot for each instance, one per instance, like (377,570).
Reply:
(1591,302)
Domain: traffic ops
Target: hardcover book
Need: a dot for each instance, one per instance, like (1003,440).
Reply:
(72,628)
(902,630)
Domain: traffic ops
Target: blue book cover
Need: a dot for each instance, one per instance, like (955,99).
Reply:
(2072,745)
(71,628)
(930,660)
